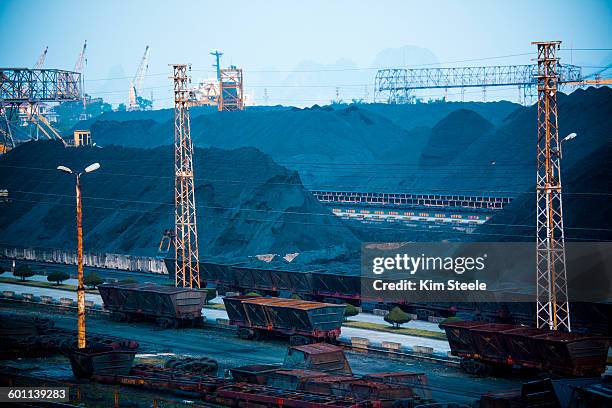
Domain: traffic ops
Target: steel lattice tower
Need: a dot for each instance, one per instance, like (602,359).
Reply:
(231,96)
(552,296)
(187,270)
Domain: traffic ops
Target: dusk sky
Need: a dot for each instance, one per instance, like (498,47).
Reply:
(265,37)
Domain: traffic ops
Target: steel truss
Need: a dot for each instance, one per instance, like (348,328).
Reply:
(187,269)
(231,96)
(552,296)
(397,84)
(19,85)
(32,86)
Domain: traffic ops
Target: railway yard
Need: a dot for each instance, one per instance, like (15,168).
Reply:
(447,382)
(253,236)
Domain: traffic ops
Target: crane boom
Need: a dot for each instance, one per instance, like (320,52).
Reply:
(41,59)
(78,67)
(80,62)
(138,81)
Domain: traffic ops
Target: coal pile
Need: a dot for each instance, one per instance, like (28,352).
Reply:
(426,147)
(247,204)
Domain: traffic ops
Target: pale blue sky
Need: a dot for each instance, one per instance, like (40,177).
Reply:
(282,35)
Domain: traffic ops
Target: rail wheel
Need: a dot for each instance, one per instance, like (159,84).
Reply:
(163,322)
(475,367)
(246,334)
(298,340)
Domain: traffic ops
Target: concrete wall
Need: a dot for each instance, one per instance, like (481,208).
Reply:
(97,260)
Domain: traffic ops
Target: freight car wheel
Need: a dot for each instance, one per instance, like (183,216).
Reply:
(163,322)
(298,340)
(246,334)
(117,316)
(475,367)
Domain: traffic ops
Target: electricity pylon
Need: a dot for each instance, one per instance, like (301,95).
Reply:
(187,269)
(552,297)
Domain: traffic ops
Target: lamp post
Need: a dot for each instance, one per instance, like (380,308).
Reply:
(79,222)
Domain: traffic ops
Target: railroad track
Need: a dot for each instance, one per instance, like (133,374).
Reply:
(101,313)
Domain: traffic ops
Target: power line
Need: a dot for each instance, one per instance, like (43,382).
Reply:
(340,226)
(284,212)
(336,187)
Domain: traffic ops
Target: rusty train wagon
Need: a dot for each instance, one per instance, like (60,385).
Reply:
(168,306)
(485,346)
(302,321)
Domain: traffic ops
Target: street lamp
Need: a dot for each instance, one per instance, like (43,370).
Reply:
(79,220)
(565,139)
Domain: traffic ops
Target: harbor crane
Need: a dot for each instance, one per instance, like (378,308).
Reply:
(135,100)
(41,59)
(79,66)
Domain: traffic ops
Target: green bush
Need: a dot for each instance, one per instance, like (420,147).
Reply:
(252,294)
(24,271)
(127,280)
(92,280)
(57,277)
(350,310)
(296,296)
(397,317)
(452,319)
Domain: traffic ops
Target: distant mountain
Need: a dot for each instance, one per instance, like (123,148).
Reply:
(407,56)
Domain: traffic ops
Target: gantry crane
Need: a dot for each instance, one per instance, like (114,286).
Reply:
(138,81)
(21,87)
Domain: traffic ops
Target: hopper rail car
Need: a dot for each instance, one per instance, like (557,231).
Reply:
(485,347)
(324,285)
(303,321)
(168,306)
(340,286)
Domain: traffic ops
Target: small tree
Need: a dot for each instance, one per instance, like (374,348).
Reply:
(57,277)
(452,319)
(397,317)
(211,293)
(350,310)
(92,280)
(252,294)
(127,280)
(23,271)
